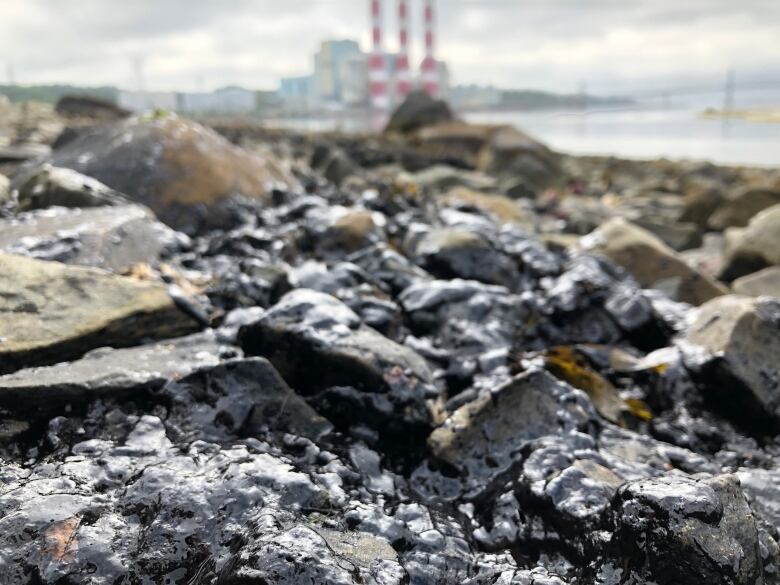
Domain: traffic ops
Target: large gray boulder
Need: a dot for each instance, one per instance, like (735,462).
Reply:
(112,238)
(90,107)
(741,337)
(765,282)
(738,210)
(756,247)
(418,110)
(677,529)
(183,171)
(54,312)
(651,262)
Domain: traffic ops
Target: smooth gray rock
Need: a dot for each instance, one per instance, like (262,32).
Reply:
(112,238)
(741,337)
(459,253)
(756,247)
(50,186)
(762,283)
(112,372)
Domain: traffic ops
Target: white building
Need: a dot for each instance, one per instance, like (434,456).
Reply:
(228,100)
(354,80)
(144,101)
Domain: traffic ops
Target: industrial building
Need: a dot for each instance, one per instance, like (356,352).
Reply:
(345,76)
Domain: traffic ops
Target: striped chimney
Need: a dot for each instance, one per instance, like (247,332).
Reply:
(377,70)
(429,69)
(403,72)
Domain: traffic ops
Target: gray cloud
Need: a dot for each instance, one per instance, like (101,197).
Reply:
(613,45)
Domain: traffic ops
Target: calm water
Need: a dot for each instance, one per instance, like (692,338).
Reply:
(649,134)
(677,133)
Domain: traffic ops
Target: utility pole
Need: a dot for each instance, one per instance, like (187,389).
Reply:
(728,99)
(138,69)
(582,97)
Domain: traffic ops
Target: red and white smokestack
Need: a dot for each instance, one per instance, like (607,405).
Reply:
(377,70)
(403,71)
(430,68)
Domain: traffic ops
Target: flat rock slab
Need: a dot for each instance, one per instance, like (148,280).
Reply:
(53,312)
(108,371)
(104,237)
(50,186)
(651,262)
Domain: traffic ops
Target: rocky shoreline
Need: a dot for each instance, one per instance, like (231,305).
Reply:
(444,354)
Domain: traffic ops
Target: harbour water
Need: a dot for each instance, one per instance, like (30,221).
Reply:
(650,133)
(676,131)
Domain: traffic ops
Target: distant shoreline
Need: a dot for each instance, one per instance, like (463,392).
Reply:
(761,115)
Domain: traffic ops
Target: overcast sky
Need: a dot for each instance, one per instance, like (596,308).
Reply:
(611,45)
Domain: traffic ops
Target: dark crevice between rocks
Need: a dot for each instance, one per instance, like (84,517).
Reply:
(726,396)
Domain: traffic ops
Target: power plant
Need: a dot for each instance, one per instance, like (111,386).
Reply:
(346,77)
(390,83)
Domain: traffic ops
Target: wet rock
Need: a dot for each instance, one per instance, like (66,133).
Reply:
(90,107)
(458,141)
(444,177)
(762,283)
(385,264)
(756,247)
(181,170)
(333,162)
(700,203)
(111,372)
(762,488)
(459,253)
(676,529)
(319,345)
(502,209)
(354,230)
(738,210)
(304,554)
(136,508)
(707,259)
(651,262)
(239,397)
(473,323)
(480,439)
(250,282)
(501,151)
(511,153)
(742,341)
(417,111)
(113,238)
(54,312)
(678,236)
(54,186)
